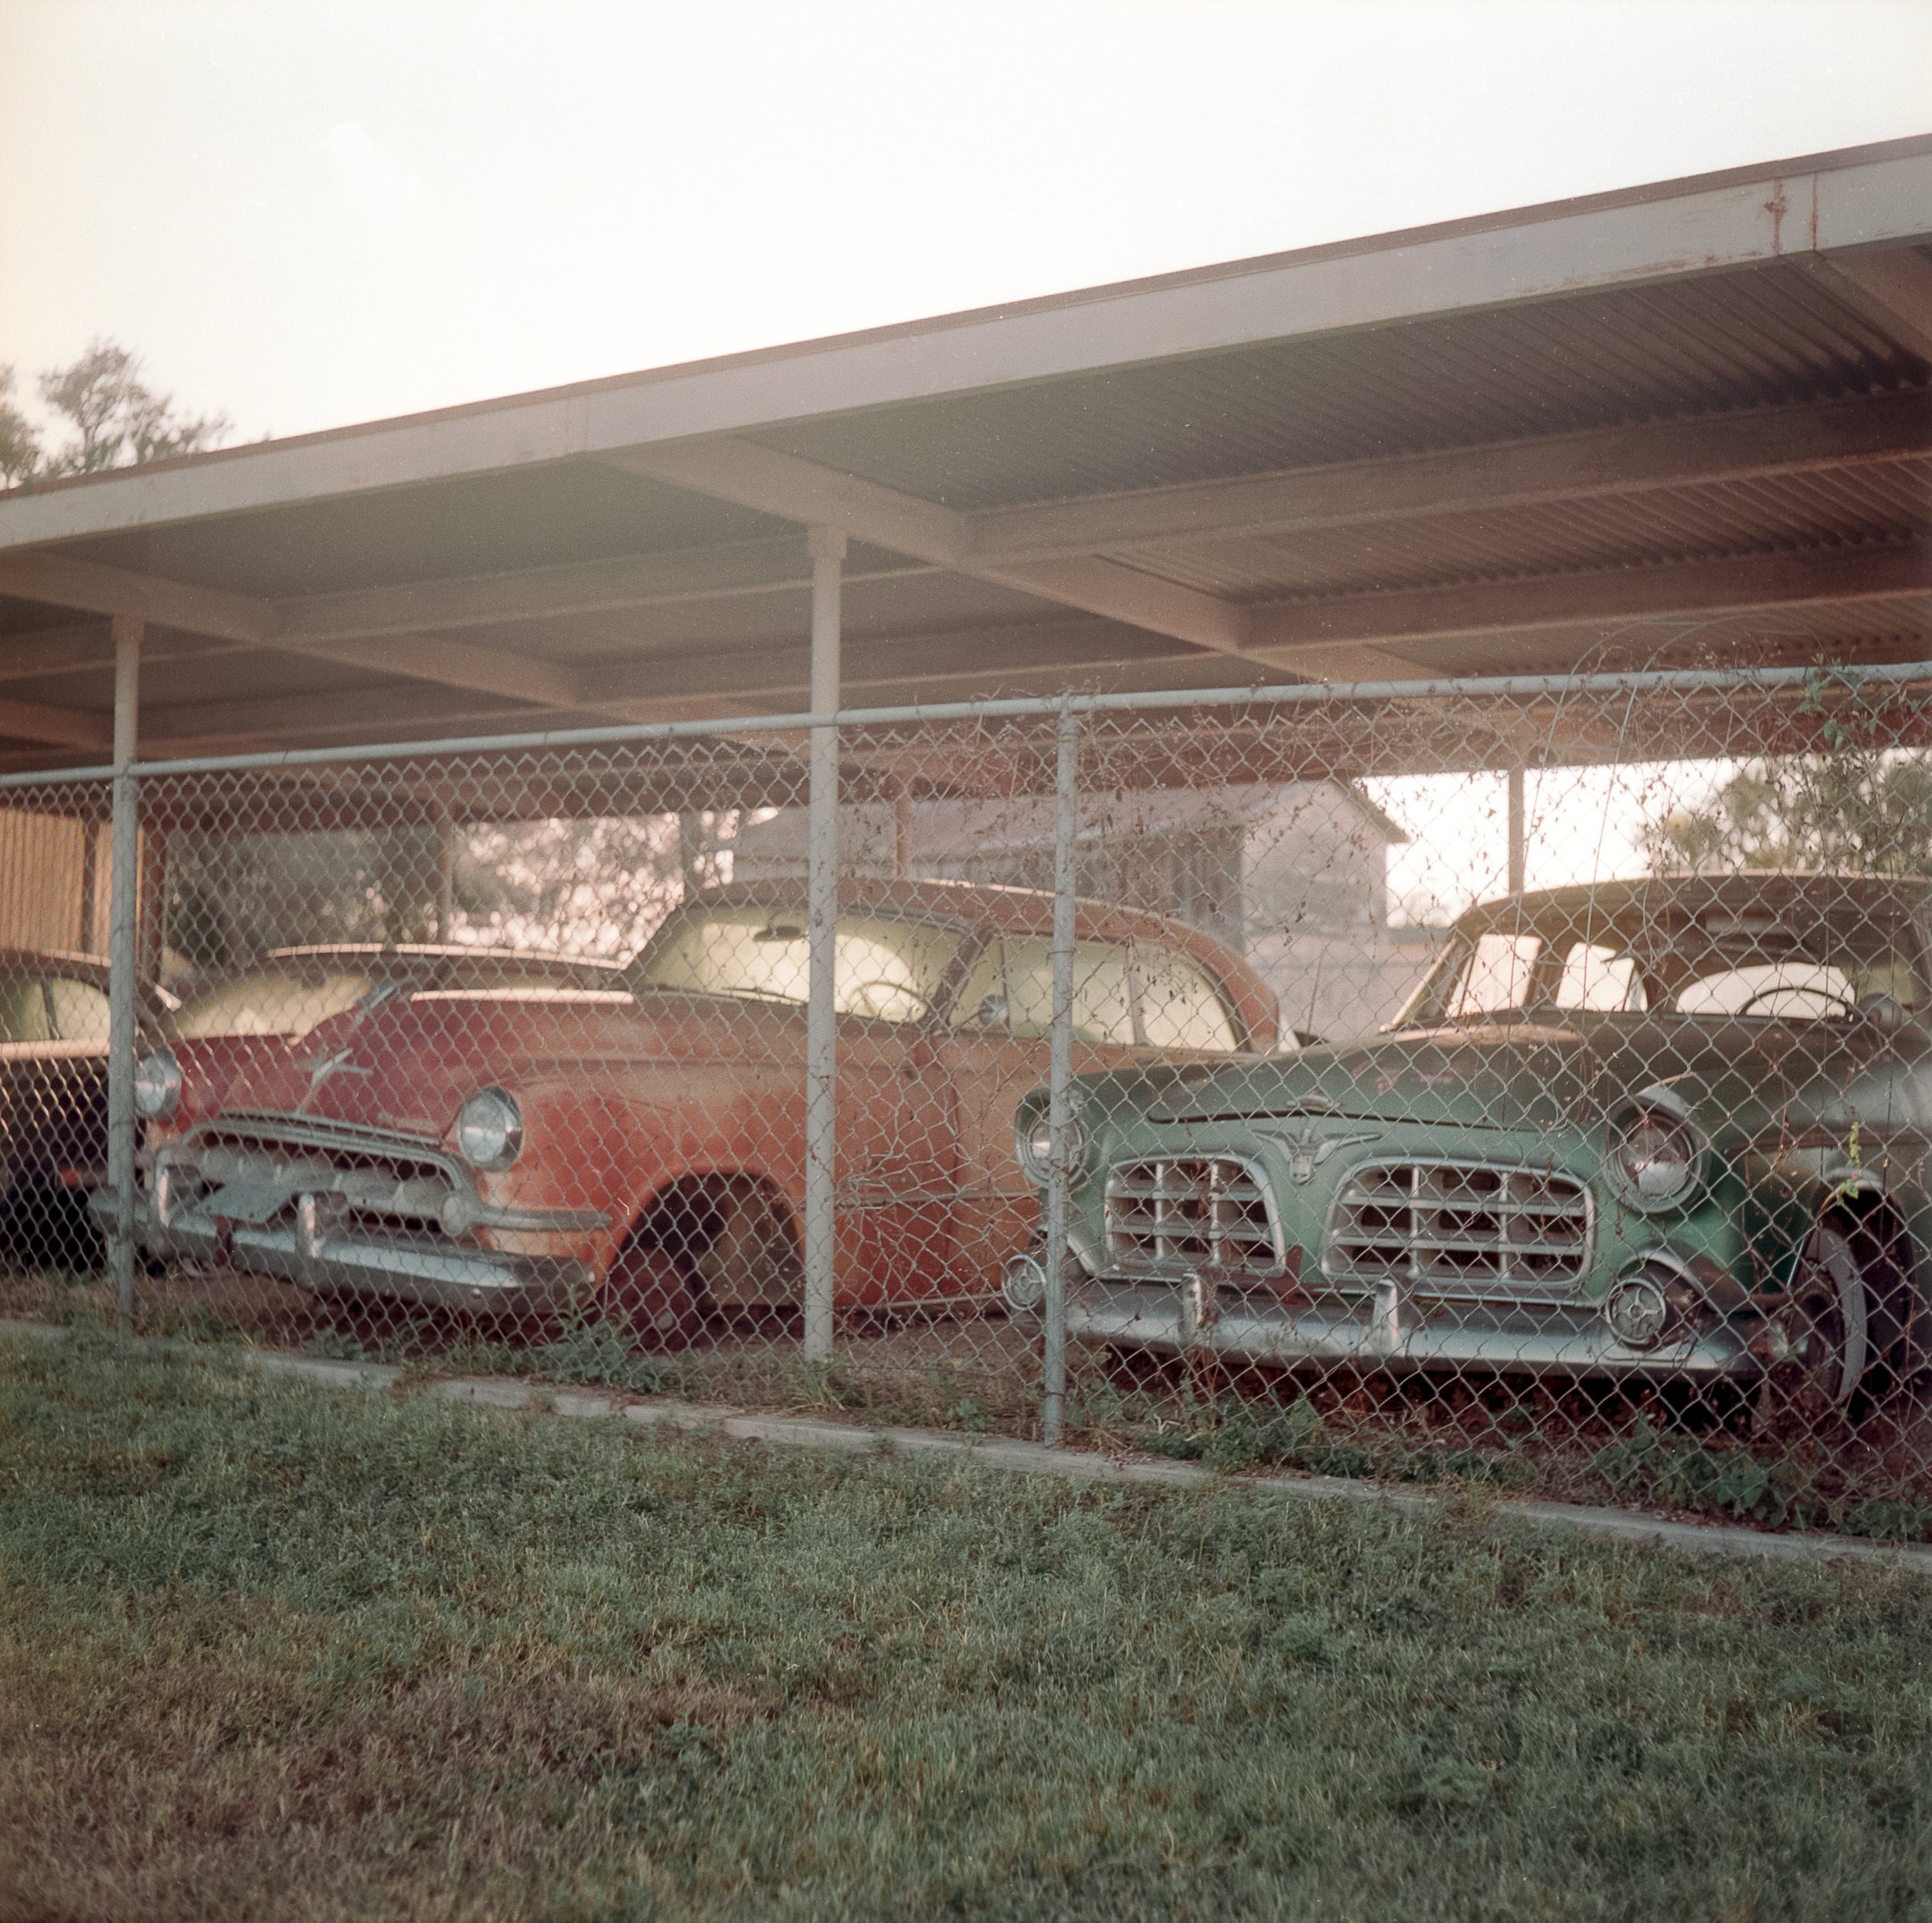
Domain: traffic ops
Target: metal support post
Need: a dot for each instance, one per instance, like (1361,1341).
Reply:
(124,941)
(1060,1098)
(902,793)
(1518,845)
(828,547)
(445,873)
(151,940)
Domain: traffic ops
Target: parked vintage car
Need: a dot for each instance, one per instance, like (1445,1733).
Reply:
(53,1049)
(1673,1128)
(53,1097)
(641,1151)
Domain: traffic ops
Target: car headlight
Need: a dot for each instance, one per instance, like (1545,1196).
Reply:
(157,1085)
(1656,1156)
(489,1130)
(1033,1142)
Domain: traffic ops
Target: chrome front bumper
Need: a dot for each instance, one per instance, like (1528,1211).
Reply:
(278,1208)
(1389,1329)
(395,1270)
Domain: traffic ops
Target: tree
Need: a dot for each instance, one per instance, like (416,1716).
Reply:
(116,418)
(1861,802)
(19,445)
(113,417)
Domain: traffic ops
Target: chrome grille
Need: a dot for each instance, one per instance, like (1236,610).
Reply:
(368,1173)
(1190,1212)
(1459,1229)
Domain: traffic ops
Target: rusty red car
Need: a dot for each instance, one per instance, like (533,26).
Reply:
(636,1150)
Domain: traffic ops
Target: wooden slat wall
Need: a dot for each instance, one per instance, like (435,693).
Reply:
(44,878)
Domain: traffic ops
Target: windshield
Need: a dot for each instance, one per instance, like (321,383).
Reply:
(271,1001)
(889,971)
(1799,960)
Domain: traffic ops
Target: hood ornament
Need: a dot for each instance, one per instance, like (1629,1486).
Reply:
(1310,1146)
(324,1067)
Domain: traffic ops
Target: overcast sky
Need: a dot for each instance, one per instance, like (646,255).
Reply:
(309,211)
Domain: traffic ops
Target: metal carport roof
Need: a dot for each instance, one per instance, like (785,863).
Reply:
(1690,419)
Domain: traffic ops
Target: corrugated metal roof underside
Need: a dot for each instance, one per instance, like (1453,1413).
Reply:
(1766,337)
(1843,507)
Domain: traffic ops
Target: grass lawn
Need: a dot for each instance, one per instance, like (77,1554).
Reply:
(268,1650)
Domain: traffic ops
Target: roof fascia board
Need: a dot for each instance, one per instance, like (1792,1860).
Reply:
(1541,253)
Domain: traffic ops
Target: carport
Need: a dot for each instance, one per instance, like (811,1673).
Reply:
(1480,448)
(1686,425)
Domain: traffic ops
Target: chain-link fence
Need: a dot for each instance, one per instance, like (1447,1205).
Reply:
(1528,1082)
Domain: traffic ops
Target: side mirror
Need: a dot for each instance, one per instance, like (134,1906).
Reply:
(1884,1010)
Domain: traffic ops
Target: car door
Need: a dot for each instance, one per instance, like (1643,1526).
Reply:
(53,1051)
(897,1114)
(994,1049)
(898,1155)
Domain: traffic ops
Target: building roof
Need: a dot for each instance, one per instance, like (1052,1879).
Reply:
(1692,420)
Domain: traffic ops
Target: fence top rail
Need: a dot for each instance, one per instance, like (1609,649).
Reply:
(1498,688)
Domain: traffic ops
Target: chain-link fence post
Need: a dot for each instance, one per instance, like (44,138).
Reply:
(124,945)
(1518,840)
(1060,1074)
(822,889)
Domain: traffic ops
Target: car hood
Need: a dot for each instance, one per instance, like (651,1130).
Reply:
(1540,1075)
(409,1067)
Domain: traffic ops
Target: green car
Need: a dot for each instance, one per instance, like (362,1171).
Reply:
(1667,1128)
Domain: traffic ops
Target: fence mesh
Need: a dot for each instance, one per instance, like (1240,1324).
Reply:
(1529,1087)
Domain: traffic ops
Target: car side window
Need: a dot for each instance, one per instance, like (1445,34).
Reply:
(1495,979)
(1780,990)
(1180,1007)
(80,1011)
(1011,987)
(23,1012)
(1599,978)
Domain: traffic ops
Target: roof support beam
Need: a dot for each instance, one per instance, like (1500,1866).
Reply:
(801,491)
(536,594)
(1671,454)
(58,727)
(80,649)
(61,582)
(1738,584)
(1892,287)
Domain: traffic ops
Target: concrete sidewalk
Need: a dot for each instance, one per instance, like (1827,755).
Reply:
(1029,1459)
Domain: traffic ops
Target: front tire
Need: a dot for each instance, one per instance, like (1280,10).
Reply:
(651,1296)
(1827,1321)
